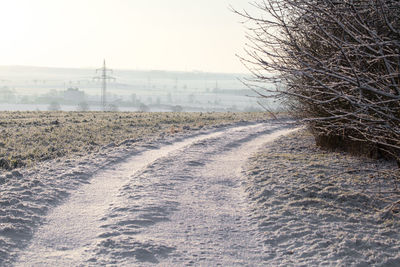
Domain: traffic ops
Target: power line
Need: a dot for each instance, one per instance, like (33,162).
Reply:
(104,77)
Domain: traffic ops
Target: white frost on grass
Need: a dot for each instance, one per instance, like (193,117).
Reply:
(25,200)
(26,195)
(192,205)
(320,208)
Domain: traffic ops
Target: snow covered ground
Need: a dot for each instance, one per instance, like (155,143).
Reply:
(318,208)
(194,199)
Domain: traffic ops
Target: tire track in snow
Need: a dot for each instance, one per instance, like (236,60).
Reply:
(173,205)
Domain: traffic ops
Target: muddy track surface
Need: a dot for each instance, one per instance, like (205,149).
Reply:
(179,204)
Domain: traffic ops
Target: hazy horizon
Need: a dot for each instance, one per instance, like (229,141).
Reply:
(36,88)
(243,73)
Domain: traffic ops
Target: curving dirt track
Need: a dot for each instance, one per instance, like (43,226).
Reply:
(178,204)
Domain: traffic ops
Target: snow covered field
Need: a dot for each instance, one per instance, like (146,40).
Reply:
(318,208)
(200,198)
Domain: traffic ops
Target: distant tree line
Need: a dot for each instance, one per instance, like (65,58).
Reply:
(336,64)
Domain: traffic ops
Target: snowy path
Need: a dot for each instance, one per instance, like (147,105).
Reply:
(181,204)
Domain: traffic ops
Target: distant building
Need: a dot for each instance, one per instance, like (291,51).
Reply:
(74,95)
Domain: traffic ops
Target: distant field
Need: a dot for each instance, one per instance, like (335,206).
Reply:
(29,137)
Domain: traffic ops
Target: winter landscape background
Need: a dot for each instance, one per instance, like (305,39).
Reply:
(68,89)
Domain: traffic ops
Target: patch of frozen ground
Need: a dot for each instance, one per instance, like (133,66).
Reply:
(306,207)
(27,195)
(319,208)
(53,183)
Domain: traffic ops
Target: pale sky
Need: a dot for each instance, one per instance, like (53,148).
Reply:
(181,35)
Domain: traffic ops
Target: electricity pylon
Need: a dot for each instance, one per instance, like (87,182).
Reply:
(104,77)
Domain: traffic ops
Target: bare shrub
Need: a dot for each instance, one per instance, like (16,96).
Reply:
(83,106)
(54,106)
(176,108)
(144,108)
(335,65)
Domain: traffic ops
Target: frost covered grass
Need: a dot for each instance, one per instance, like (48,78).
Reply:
(29,137)
(29,194)
(325,208)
